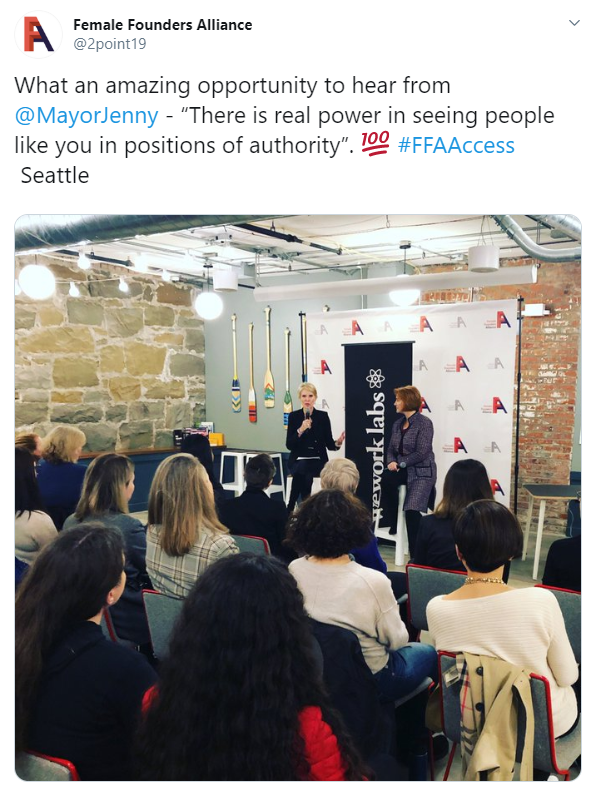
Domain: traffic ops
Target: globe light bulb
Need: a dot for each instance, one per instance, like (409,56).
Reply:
(37,281)
(208,305)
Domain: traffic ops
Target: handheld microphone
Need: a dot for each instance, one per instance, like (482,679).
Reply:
(307,414)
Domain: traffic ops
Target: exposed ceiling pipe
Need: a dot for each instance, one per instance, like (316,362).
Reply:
(275,234)
(566,222)
(521,238)
(41,231)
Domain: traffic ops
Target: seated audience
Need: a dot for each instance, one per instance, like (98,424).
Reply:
(59,475)
(33,528)
(563,567)
(341,473)
(341,592)
(254,512)
(521,626)
(78,695)
(240,696)
(465,482)
(107,489)
(198,445)
(31,442)
(184,533)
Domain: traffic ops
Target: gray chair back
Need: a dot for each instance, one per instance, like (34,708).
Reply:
(162,612)
(423,585)
(251,543)
(40,768)
(571,608)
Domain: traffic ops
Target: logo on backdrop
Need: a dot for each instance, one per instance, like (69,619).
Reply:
(321,331)
(496,487)
(496,364)
(458,323)
(353,329)
(375,378)
(324,404)
(421,365)
(492,448)
(458,366)
(494,407)
(424,406)
(456,406)
(38,34)
(456,447)
(498,322)
(374,429)
(323,368)
(421,326)
(385,327)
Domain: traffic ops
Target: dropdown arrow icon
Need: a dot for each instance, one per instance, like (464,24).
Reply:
(574,23)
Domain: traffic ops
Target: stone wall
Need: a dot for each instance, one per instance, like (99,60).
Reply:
(125,368)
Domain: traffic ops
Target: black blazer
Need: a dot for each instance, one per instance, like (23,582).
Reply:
(322,435)
(254,513)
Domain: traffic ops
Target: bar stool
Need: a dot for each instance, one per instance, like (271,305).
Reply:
(401,533)
(274,488)
(237,484)
(315,487)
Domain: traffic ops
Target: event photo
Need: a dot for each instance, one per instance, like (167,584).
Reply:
(298,497)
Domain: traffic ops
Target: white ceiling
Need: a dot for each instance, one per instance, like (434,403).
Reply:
(343,242)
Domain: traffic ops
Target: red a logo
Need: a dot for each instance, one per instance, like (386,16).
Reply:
(424,406)
(501,319)
(325,367)
(355,327)
(459,445)
(498,406)
(496,488)
(425,324)
(34,33)
(460,364)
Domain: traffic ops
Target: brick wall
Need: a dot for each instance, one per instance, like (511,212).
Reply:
(550,347)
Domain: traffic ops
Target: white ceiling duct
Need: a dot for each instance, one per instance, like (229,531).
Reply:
(515,232)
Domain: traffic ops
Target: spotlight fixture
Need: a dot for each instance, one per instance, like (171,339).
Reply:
(123,286)
(165,276)
(208,305)
(74,290)
(37,282)
(83,261)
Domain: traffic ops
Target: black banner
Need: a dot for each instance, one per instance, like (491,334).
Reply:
(372,372)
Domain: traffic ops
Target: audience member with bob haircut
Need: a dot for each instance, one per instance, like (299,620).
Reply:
(33,528)
(340,592)
(341,473)
(254,512)
(59,475)
(465,482)
(107,488)
(240,696)
(184,533)
(524,627)
(78,695)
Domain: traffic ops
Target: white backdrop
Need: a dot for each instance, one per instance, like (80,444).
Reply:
(463,365)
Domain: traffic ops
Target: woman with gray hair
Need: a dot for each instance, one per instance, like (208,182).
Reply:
(341,473)
(60,476)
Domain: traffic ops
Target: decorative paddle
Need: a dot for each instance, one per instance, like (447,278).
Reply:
(303,347)
(253,414)
(235,388)
(288,403)
(268,380)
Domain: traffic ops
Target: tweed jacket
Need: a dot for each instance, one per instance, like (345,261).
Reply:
(419,459)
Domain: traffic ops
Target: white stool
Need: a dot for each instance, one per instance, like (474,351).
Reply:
(401,533)
(315,486)
(274,488)
(237,484)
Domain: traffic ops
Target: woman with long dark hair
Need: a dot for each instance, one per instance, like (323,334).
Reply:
(465,482)
(239,697)
(107,488)
(77,695)
(33,528)
(198,445)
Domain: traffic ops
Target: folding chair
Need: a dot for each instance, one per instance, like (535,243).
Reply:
(162,612)
(36,767)
(570,602)
(550,755)
(425,583)
(252,543)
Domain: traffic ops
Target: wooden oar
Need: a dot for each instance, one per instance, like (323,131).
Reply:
(268,380)
(288,404)
(235,388)
(303,347)
(253,414)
